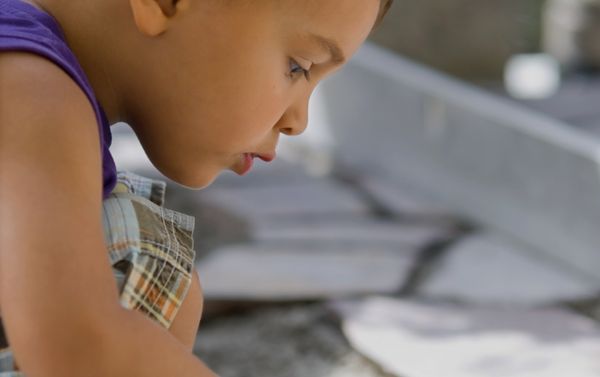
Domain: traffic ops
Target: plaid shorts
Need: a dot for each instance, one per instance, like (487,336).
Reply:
(150,249)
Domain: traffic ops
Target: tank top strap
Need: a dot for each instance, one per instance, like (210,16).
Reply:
(24,27)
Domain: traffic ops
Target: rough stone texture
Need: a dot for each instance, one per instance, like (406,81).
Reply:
(296,271)
(488,268)
(285,341)
(429,340)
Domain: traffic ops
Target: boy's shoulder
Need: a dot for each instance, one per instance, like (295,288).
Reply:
(25,28)
(44,115)
(45,88)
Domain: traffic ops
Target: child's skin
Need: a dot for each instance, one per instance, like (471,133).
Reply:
(201,82)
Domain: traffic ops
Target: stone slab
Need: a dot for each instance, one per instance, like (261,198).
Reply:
(218,224)
(489,268)
(403,200)
(314,199)
(299,272)
(348,230)
(425,340)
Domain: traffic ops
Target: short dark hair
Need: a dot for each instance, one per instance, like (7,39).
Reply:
(384,6)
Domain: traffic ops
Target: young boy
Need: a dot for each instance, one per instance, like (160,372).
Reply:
(206,85)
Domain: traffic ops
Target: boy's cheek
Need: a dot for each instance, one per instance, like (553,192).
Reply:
(253,125)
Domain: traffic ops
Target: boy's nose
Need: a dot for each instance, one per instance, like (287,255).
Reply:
(295,119)
(295,130)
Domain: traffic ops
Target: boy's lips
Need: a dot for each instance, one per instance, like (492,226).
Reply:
(247,160)
(266,157)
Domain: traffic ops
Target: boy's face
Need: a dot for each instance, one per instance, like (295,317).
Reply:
(226,76)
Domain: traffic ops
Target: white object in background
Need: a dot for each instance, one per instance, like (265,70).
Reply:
(127,150)
(532,76)
(408,338)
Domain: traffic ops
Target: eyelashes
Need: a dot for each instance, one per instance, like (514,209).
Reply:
(296,69)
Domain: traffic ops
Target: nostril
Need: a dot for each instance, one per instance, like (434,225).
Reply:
(287,131)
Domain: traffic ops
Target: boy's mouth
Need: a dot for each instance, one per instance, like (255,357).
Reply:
(266,157)
(247,161)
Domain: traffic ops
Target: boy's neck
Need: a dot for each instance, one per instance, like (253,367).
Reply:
(79,23)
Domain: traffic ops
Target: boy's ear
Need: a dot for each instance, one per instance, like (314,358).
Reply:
(152,16)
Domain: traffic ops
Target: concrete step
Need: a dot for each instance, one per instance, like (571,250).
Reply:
(491,268)
(355,230)
(296,271)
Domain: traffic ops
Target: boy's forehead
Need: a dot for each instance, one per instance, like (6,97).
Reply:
(332,25)
(328,10)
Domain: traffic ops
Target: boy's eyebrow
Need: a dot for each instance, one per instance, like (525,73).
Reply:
(337,56)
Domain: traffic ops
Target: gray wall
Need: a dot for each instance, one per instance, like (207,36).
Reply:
(471,39)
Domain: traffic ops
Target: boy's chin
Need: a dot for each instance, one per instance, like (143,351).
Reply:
(189,180)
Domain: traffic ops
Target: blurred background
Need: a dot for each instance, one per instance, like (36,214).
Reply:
(439,217)
(469,39)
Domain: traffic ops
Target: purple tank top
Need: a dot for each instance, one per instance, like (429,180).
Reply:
(23,27)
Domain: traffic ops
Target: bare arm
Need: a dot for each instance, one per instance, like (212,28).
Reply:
(60,302)
(186,322)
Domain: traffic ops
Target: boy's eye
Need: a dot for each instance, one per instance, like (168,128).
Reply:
(296,69)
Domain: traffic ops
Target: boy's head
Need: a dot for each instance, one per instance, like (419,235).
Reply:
(203,82)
